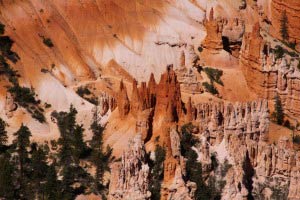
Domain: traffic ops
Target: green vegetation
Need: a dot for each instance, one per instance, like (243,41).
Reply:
(210,190)
(248,175)
(157,172)
(3,134)
(210,88)
(296,139)
(85,93)
(82,91)
(214,75)
(280,51)
(99,157)
(278,114)
(284,26)
(200,49)
(2,28)
(48,42)
(25,97)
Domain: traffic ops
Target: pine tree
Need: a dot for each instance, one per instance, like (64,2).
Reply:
(6,178)
(193,167)
(284,26)
(3,134)
(71,149)
(157,172)
(99,157)
(278,114)
(22,144)
(51,188)
(39,168)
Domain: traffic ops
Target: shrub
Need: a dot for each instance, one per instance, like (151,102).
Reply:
(2,28)
(296,139)
(81,91)
(48,42)
(157,172)
(214,75)
(5,48)
(279,52)
(278,114)
(25,97)
(209,87)
(200,49)
(284,26)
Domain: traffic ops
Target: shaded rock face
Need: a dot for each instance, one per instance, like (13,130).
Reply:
(106,103)
(123,101)
(269,76)
(130,178)
(175,187)
(168,97)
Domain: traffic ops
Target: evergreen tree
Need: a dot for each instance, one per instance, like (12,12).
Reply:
(39,168)
(278,114)
(6,178)
(284,26)
(193,167)
(71,149)
(157,172)
(51,188)
(22,144)
(99,157)
(3,135)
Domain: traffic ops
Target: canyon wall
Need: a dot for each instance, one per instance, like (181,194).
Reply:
(269,75)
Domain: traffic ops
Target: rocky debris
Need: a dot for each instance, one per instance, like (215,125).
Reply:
(130,178)
(123,101)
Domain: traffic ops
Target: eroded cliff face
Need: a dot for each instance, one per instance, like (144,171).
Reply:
(237,133)
(269,74)
(115,46)
(292,9)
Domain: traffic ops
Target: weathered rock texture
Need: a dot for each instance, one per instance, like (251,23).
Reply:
(239,132)
(106,103)
(269,76)
(130,178)
(213,39)
(292,9)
